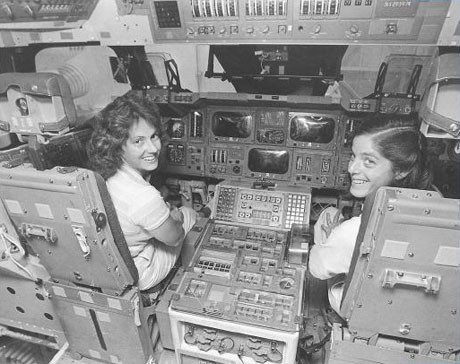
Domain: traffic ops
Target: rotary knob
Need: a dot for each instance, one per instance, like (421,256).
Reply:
(354,29)
(236,169)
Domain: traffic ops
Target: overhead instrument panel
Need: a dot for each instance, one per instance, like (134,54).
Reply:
(45,14)
(317,21)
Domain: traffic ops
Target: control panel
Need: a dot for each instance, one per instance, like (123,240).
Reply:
(239,274)
(236,291)
(258,348)
(275,207)
(184,151)
(244,282)
(45,14)
(366,21)
(289,143)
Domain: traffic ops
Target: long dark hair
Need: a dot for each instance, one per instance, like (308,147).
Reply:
(399,140)
(111,130)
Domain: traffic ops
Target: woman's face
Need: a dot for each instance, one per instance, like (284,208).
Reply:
(142,149)
(368,169)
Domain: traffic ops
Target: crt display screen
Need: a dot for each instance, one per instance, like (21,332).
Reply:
(268,161)
(311,128)
(232,124)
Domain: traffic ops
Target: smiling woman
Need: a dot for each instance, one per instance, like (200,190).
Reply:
(368,168)
(387,151)
(142,149)
(125,148)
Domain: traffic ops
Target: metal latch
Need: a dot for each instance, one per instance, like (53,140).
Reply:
(39,231)
(430,283)
(81,238)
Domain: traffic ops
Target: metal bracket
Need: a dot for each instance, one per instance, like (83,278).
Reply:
(39,231)
(430,283)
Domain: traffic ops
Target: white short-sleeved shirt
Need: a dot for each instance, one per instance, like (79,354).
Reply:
(140,210)
(330,257)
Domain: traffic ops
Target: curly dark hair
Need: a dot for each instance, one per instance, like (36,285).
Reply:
(399,140)
(111,130)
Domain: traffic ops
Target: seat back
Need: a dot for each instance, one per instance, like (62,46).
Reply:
(403,281)
(66,217)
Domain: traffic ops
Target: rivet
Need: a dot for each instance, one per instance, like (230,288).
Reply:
(453,127)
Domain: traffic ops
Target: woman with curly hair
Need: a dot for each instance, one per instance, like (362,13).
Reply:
(125,148)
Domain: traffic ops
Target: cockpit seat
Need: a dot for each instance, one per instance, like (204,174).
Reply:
(401,296)
(66,218)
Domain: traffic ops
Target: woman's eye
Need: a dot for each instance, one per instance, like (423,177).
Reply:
(369,162)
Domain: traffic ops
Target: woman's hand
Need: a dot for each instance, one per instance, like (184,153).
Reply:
(176,214)
(331,224)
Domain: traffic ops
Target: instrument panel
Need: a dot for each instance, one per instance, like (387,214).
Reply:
(45,14)
(239,286)
(279,208)
(296,144)
(366,21)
